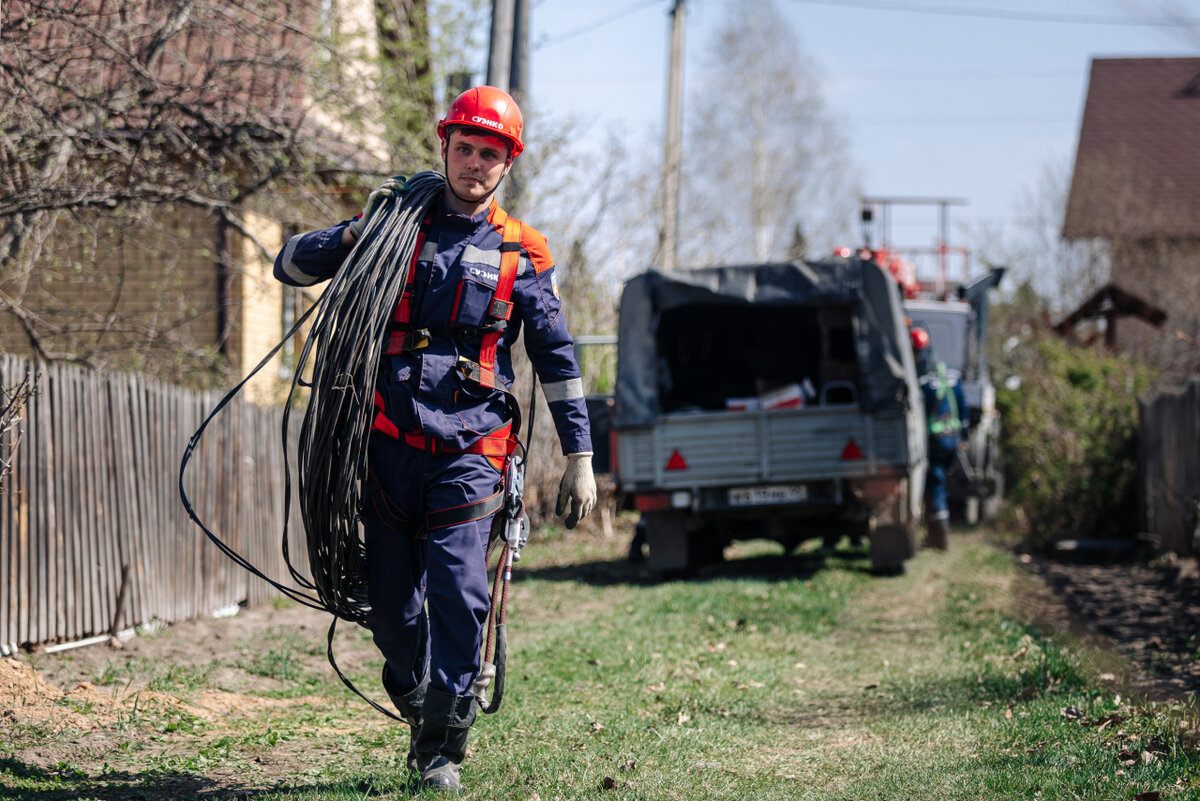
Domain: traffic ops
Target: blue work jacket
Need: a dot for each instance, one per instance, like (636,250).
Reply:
(453,282)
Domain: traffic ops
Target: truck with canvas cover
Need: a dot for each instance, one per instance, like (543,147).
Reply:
(775,401)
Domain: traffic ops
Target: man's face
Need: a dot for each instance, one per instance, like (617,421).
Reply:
(475,164)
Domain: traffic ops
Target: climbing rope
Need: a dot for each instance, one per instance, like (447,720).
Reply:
(515,533)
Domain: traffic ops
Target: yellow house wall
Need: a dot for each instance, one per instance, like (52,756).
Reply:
(258,327)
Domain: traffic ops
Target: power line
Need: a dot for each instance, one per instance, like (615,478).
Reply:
(1008,14)
(943,74)
(619,14)
(942,121)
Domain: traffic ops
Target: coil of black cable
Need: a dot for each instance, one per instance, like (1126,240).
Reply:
(345,344)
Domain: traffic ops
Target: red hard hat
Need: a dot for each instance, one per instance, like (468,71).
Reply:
(920,339)
(490,109)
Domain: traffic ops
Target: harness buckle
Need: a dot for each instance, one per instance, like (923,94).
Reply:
(500,309)
(401,341)
(469,369)
(416,340)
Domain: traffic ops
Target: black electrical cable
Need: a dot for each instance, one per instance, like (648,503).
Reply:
(347,338)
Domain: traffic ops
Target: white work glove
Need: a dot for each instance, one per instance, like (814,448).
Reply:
(388,189)
(577,490)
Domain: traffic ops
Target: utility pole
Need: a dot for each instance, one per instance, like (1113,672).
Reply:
(668,239)
(519,89)
(500,47)
(518,79)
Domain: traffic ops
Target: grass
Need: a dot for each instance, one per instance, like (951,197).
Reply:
(771,677)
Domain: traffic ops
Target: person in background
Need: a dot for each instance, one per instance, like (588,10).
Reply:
(945,411)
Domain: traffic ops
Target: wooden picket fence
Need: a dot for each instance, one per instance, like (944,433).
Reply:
(94,537)
(1169,454)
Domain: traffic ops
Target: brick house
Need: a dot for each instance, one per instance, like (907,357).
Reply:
(186,294)
(1136,186)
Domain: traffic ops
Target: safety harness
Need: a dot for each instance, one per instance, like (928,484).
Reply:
(500,446)
(497,445)
(945,423)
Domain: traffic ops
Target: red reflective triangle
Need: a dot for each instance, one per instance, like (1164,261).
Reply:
(851,451)
(676,461)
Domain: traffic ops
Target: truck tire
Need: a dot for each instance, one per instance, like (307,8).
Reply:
(677,542)
(637,545)
(892,534)
(891,547)
(667,541)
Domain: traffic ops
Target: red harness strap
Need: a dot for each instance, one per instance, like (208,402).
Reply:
(484,371)
(496,445)
(400,337)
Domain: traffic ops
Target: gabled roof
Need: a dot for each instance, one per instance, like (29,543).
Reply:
(1137,164)
(1111,301)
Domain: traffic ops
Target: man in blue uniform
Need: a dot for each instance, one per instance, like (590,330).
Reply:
(946,413)
(444,417)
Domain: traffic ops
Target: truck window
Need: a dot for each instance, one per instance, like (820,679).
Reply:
(947,332)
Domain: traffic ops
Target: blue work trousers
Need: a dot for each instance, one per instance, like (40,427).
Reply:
(428,590)
(942,452)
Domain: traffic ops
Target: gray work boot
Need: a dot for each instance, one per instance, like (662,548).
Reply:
(441,743)
(409,704)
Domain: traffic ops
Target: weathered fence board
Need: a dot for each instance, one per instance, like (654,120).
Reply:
(1169,453)
(93,496)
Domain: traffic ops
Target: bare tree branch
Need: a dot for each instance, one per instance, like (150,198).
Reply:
(128,129)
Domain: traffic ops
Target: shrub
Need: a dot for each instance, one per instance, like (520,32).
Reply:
(1070,442)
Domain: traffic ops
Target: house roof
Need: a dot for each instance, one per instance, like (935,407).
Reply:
(1137,164)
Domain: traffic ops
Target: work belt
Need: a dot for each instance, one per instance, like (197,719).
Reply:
(394,518)
(496,445)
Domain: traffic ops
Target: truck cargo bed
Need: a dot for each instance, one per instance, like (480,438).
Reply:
(706,449)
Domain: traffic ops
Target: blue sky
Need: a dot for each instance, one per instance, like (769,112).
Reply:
(969,99)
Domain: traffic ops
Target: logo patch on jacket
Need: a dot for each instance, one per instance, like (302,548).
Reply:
(554,282)
(490,276)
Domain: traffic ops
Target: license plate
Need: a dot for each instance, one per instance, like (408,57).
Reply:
(760,496)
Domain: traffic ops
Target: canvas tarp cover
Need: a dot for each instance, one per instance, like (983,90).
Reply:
(880,336)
